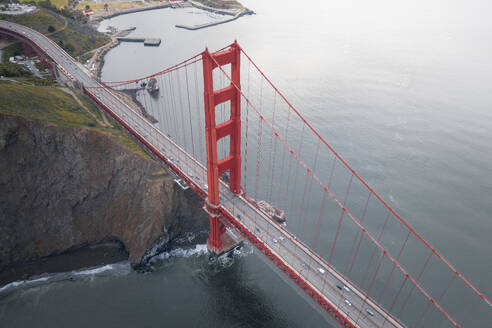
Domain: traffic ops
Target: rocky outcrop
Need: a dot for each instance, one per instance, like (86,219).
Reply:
(64,186)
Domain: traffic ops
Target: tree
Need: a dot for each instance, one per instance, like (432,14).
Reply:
(11,70)
(106,6)
(51,29)
(87,7)
(69,48)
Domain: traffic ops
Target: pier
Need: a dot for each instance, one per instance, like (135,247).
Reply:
(155,42)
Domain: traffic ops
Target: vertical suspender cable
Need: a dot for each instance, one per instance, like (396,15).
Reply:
(189,112)
(246,136)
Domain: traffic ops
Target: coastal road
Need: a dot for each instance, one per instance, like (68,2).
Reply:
(315,272)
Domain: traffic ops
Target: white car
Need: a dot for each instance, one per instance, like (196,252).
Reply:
(321,271)
(275,240)
(348,303)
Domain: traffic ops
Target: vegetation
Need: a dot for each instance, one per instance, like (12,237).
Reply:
(39,21)
(48,103)
(221,4)
(33,81)
(8,69)
(12,70)
(100,6)
(12,50)
(56,3)
(71,34)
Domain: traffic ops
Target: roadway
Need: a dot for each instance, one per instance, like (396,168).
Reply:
(340,293)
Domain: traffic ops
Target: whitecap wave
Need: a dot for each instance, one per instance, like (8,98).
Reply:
(228,259)
(120,268)
(199,250)
(23,283)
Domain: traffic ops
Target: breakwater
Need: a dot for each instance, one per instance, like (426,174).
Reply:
(200,26)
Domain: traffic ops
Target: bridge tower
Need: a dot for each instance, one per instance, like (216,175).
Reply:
(214,132)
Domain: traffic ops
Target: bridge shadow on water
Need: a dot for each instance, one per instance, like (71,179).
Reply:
(236,299)
(235,293)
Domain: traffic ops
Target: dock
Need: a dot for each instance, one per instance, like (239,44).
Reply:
(155,42)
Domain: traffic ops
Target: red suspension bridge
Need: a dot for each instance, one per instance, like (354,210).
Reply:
(231,136)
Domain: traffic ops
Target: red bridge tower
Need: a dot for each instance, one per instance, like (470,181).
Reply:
(214,132)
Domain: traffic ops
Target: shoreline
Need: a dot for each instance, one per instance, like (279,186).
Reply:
(230,12)
(185,3)
(77,257)
(89,257)
(99,58)
(205,25)
(132,93)
(130,11)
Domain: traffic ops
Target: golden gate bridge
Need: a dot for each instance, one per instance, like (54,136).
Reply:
(232,137)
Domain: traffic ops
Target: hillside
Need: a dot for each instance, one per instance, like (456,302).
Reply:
(51,104)
(72,34)
(71,178)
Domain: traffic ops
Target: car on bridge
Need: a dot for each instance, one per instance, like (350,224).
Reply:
(343,287)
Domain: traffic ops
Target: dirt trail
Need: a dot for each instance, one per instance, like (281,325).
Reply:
(105,123)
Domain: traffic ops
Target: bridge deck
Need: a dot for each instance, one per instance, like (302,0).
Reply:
(306,264)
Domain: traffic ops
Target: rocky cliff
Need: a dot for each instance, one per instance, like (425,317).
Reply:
(62,186)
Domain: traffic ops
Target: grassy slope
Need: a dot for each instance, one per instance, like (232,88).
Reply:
(222,4)
(99,6)
(76,39)
(47,103)
(39,20)
(56,3)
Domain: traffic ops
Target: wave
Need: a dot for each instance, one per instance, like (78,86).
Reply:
(199,250)
(120,268)
(22,283)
